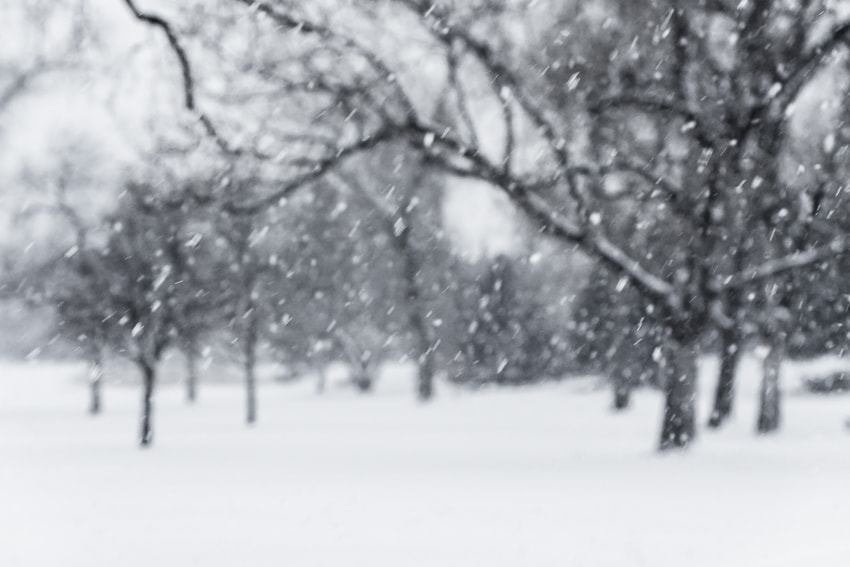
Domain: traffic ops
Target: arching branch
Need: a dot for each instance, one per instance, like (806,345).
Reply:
(189,100)
(808,66)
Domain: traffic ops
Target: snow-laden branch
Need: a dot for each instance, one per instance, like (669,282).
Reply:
(597,245)
(808,66)
(503,78)
(523,193)
(794,261)
(453,82)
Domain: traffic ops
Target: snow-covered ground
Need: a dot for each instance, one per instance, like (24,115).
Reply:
(530,477)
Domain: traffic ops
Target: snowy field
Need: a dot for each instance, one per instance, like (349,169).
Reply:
(534,477)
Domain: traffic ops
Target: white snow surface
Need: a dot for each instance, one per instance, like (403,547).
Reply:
(542,476)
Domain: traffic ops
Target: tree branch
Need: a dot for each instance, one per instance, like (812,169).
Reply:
(388,212)
(502,77)
(660,103)
(319,168)
(301,25)
(800,76)
(426,137)
(13,90)
(796,260)
(186,72)
(672,192)
(460,95)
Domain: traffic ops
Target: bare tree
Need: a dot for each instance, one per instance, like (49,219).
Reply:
(730,104)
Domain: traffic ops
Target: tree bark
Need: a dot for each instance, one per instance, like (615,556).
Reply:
(95,382)
(770,395)
(148,383)
(724,394)
(679,423)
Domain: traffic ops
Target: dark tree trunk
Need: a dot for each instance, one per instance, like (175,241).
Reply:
(724,394)
(250,390)
(321,379)
(622,395)
(148,383)
(250,393)
(361,368)
(363,382)
(424,352)
(191,374)
(425,379)
(95,383)
(770,395)
(365,378)
(679,424)
(620,376)
(249,361)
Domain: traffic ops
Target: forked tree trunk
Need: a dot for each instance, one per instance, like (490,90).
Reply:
(95,383)
(770,395)
(148,383)
(679,424)
(724,394)
(191,374)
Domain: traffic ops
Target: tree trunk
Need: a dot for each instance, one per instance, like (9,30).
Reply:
(250,359)
(250,393)
(770,394)
(679,424)
(363,383)
(321,380)
(361,371)
(148,382)
(425,378)
(622,395)
(95,382)
(621,380)
(191,374)
(363,380)
(418,323)
(724,394)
